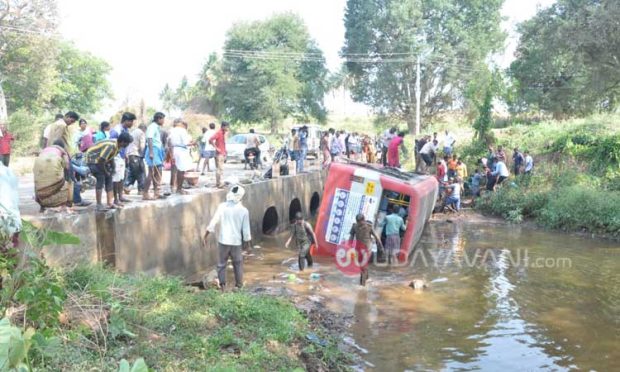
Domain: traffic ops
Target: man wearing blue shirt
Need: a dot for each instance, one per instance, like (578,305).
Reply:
(393,225)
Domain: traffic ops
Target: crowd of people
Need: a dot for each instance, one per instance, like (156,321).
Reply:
(452,174)
(119,157)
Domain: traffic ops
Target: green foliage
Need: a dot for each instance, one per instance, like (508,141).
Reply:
(82,83)
(513,204)
(583,209)
(138,366)
(258,88)
(482,125)
(174,328)
(14,347)
(28,281)
(566,64)
(28,72)
(26,127)
(383,39)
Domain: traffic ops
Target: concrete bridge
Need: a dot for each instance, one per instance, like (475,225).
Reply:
(165,236)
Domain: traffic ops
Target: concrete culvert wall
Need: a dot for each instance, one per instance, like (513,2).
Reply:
(315,203)
(270,221)
(293,209)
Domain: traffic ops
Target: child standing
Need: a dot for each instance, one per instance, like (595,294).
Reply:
(117,180)
(304,237)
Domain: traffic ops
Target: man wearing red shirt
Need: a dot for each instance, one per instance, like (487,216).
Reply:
(219,142)
(441,171)
(5,145)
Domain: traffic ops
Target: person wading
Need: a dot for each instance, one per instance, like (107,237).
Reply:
(234,221)
(362,233)
(304,237)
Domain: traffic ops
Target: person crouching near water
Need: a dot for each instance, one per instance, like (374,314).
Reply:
(393,223)
(362,233)
(304,236)
(234,221)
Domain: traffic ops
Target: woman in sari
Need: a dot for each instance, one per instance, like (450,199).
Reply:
(52,180)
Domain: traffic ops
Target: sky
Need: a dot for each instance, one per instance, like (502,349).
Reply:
(150,43)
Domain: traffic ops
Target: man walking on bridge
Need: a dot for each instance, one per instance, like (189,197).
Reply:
(234,220)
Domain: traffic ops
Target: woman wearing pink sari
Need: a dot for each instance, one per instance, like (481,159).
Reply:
(393,159)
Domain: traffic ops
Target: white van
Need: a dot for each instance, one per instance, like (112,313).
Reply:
(314,138)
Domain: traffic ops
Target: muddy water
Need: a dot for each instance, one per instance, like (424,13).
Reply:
(499,297)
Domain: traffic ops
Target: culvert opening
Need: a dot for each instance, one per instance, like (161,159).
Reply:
(293,209)
(270,221)
(314,203)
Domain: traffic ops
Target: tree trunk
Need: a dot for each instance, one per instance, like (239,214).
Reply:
(274,126)
(3,109)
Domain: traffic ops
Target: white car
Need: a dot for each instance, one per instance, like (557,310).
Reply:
(235,146)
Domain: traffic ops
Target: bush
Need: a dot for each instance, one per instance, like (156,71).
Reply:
(585,209)
(513,204)
(28,129)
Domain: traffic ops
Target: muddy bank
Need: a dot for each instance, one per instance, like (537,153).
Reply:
(328,326)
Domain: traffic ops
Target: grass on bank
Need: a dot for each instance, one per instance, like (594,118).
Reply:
(110,317)
(576,181)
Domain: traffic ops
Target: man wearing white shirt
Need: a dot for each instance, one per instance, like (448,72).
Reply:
(386,138)
(208,151)
(454,199)
(529,163)
(448,143)
(234,221)
(500,172)
(180,142)
(427,152)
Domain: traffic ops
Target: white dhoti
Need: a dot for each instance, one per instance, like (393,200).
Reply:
(119,169)
(182,159)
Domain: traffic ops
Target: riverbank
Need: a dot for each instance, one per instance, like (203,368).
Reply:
(108,317)
(575,185)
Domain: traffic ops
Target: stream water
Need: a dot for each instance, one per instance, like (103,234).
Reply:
(499,297)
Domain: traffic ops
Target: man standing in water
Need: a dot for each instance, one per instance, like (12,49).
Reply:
(234,220)
(393,225)
(362,230)
(304,237)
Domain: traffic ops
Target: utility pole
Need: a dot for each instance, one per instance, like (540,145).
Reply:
(417,96)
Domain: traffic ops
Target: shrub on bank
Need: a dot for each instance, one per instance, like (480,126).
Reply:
(579,208)
(572,208)
(109,317)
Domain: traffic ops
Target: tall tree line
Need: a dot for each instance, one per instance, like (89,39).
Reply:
(39,71)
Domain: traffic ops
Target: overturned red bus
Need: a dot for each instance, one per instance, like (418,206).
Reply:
(355,188)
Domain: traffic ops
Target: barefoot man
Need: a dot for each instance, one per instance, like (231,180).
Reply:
(234,221)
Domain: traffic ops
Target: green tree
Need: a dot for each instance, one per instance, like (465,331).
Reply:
(26,53)
(485,116)
(272,70)
(82,82)
(568,59)
(452,37)
(181,98)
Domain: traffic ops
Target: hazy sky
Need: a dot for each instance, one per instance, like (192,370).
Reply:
(151,43)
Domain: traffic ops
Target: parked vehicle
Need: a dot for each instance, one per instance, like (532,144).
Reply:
(252,157)
(235,148)
(314,138)
(281,158)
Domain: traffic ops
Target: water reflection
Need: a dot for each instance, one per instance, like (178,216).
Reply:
(485,309)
